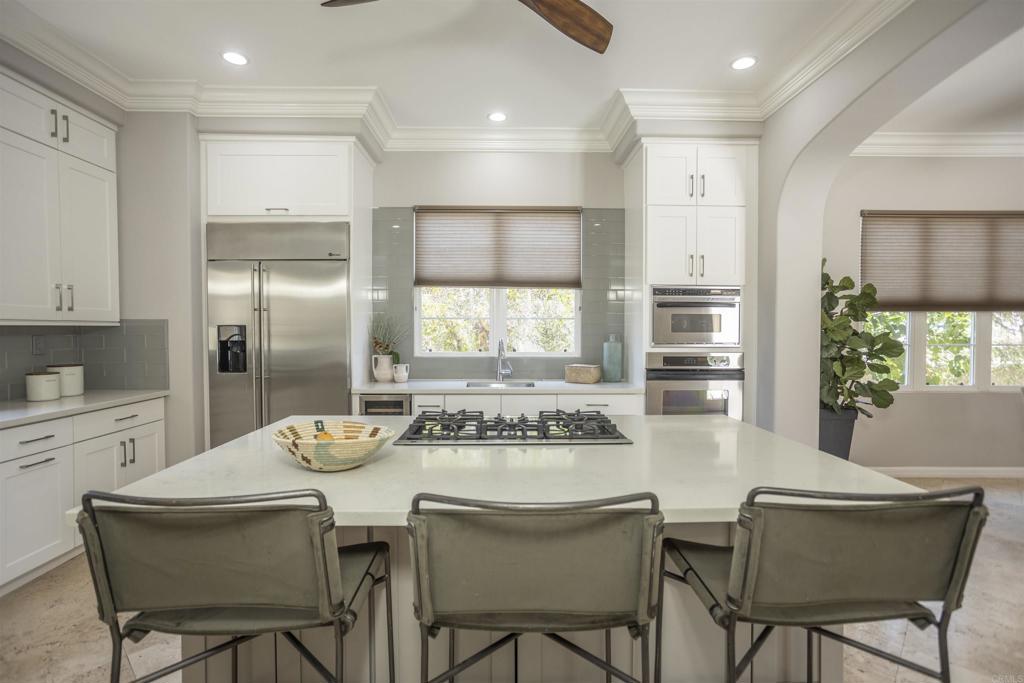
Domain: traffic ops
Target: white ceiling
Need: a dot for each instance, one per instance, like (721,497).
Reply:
(447,63)
(985,96)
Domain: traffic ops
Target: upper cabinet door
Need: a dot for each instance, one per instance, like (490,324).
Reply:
(86,139)
(671,245)
(723,171)
(88,236)
(671,174)
(27,112)
(720,238)
(279,178)
(29,230)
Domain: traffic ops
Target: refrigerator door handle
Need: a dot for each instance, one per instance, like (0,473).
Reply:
(264,341)
(255,305)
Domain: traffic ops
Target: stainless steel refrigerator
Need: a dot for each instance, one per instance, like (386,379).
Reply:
(278,333)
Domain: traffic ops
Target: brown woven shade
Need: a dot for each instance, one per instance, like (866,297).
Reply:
(945,261)
(474,247)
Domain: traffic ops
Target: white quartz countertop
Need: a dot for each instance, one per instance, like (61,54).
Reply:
(17,413)
(458,386)
(701,468)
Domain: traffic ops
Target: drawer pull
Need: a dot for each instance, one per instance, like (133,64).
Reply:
(36,464)
(597,405)
(126,417)
(38,438)
(429,405)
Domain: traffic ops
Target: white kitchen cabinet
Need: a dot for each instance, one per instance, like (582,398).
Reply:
(490,404)
(672,174)
(99,463)
(86,139)
(671,245)
(145,451)
(515,405)
(88,239)
(431,402)
(35,492)
(720,245)
(609,404)
(722,171)
(30,246)
(279,177)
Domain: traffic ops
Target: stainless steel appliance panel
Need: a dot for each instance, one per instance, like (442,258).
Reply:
(695,383)
(683,316)
(304,330)
(233,297)
(277,241)
(385,404)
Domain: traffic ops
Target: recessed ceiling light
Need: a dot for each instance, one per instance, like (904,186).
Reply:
(744,63)
(235,58)
(396,226)
(497,116)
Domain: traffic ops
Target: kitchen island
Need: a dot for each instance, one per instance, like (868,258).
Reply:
(700,467)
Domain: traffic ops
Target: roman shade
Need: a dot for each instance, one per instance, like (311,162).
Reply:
(944,261)
(513,247)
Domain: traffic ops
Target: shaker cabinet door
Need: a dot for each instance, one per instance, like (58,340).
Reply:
(722,170)
(145,451)
(671,174)
(671,245)
(720,237)
(28,112)
(30,269)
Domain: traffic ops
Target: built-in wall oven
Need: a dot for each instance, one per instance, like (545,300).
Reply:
(695,383)
(695,316)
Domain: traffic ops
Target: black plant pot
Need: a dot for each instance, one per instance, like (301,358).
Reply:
(835,431)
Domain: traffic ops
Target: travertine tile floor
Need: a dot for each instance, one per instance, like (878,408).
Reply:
(49,631)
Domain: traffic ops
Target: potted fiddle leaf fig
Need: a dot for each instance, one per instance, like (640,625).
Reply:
(854,371)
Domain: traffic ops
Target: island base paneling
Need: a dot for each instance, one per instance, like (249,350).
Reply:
(694,646)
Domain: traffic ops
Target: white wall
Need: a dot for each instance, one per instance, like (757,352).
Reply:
(928,429)
(159,243)
(592,180)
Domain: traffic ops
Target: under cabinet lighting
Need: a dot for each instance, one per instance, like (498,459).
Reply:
(236,58)
(744,63)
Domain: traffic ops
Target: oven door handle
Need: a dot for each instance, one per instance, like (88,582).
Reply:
(733,375)
(694,304)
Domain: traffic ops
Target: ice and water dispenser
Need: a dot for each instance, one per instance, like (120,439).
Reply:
(231,348)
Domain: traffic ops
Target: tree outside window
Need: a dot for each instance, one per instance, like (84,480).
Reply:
(896,324)
(1008,348)
(949,348)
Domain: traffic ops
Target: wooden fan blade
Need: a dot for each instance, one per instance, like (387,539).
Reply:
(576,20)
(343,3)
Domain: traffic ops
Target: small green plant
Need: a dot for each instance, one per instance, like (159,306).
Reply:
(853,368)
(385,335)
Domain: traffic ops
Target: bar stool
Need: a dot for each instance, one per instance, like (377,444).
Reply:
(237,566)
(535,568)
(852,558)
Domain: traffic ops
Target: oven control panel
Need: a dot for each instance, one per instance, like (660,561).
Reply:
(695,291)
(694,360)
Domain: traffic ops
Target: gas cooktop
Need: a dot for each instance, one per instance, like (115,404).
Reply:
(473,428)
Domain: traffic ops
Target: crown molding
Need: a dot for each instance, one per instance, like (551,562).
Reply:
(847,29)
(854,23)
(942,145)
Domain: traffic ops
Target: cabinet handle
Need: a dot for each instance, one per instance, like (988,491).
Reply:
(691,184)
(270,209)
(67,129)
(124,455)
(60,296)
(71,297)
(36,464)
(429,405)
(53,113)
(596,405)
(703,183)
(38,438)
(126,417)
(691,264)
(132,442)
(702,265)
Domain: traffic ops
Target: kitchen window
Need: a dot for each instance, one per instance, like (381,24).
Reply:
(1008,348)
(897,324)
(949,346)
(469,321)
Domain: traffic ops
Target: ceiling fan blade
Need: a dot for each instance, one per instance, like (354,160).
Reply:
(343,3)
(576,20)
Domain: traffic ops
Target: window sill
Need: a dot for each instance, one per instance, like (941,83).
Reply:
(958,390)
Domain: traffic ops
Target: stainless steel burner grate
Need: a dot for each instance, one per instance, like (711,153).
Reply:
(550,426)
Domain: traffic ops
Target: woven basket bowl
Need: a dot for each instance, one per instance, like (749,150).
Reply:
(354,443)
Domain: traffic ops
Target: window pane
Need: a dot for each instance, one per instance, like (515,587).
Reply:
(1008,348)
(895,324)
(541,303)
(455,302)
(949,356)
(553,335)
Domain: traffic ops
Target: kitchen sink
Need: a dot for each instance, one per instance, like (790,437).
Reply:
(499,385)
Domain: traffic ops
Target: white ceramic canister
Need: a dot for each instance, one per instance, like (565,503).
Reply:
(72,378)
(42,386)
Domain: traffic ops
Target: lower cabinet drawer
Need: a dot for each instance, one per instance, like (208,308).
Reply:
(609,404)
(17,442)
(490,404)
(100,422)
(427,402)
(514,405)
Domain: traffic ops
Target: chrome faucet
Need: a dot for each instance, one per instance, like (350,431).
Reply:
(504,367)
